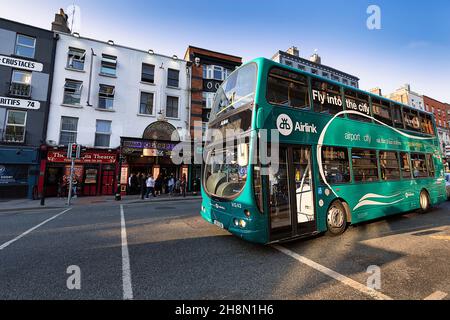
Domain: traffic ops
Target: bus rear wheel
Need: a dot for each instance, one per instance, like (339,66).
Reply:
(424,200)
(336,219)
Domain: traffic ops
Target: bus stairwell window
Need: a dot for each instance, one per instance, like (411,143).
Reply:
(336,165)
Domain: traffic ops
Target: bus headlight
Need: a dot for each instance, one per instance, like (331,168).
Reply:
(236,222)
(242,223)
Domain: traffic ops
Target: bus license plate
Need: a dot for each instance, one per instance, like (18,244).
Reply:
(219,224)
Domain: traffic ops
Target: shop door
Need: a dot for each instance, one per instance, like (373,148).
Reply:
(107,182)
(291,195)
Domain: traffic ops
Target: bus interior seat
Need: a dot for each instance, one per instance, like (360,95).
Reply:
(214,181)
(228,189)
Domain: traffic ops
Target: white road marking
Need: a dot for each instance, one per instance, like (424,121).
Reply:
(6,244)
(335,275)
(126,271)
(438,295)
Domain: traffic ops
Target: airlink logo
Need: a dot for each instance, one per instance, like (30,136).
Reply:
(286,126)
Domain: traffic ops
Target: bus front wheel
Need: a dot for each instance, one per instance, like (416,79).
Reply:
(424,200)
(336,219)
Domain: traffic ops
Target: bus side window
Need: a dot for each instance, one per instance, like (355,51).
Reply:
(427,124)
(365,165)
(419,165)
(382,111)
(326,97)
(397,116)
(405,164)
(412,120)
(389,165)
(336,165)
(288,89)
(355,101)
(430,165)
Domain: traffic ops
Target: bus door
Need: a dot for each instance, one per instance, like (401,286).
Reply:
(291,198)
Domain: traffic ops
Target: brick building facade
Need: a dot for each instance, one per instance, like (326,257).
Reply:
(441,113)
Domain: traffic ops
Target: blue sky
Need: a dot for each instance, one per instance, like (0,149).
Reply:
(413,45)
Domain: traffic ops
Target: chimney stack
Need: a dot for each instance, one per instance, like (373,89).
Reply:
(60,23)
(316,58)
(293,51)
(376,91)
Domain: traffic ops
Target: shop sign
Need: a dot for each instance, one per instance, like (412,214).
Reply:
(13,174)
(21,64)
(136,144)
(87,157)
(19,103)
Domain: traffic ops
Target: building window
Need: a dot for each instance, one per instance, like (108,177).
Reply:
(20,83)
(109,65)
(301,67)
(148,73)
(335,78)
(336,165)
(68,133)
(325,74)
(216,72)
(208,99)
(76,59)
(345,81)
(390,169)
(173,78)
(172,107)
(354,84)
(288,63)
(288,89)
(146,104)
(103,133)
(72,92)
(15,126)
(25,46)
(314,71)
(365,165)
(106,97)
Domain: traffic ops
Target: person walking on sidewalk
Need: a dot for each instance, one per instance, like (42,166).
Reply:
(143,184)
(150,186)
(183,185)
(171,185)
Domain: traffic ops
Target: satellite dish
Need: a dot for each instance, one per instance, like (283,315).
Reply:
(74,18)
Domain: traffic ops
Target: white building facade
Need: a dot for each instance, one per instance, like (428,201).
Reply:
(118,103)
(129,88)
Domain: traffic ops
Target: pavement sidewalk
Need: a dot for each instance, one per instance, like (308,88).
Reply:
(52,203)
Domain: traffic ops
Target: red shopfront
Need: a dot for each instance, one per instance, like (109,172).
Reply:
(95,173)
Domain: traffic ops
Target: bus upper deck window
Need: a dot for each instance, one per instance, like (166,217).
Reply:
(327,97)
(288,88)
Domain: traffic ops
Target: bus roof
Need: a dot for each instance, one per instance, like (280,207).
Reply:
(263,60)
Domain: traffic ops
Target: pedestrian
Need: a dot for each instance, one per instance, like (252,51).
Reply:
(134,184)
(177,186)
(142,184)
(150,186)
(183,185)
(171,184)
(158,185)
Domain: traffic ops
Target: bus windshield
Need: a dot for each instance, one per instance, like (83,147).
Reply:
(237,91)
(226,170)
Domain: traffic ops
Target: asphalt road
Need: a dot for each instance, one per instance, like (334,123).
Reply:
(169,252)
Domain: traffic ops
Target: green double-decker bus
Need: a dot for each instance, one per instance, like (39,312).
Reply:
(343,156)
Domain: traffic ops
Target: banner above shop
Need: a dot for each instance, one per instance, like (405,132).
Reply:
(86,157)
(21,64)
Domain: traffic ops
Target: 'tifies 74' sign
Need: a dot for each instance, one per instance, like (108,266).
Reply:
(19,103)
